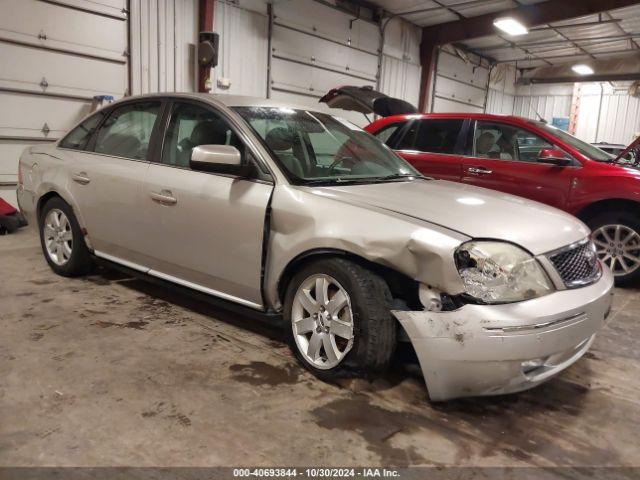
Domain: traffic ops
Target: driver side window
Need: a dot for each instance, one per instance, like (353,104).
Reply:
(193,125)
(505,142)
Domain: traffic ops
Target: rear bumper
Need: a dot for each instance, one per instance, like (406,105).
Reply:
(496,349)
(27,205)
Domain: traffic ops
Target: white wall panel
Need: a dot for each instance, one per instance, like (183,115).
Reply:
(163,38)
(400,72)
(546,106)
(243,50)
(401,79)
(501,95)
(607,114)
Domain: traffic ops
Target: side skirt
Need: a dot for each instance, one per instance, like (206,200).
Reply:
(268,316)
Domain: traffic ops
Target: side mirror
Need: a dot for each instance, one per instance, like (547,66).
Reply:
(553,156)
(219,159)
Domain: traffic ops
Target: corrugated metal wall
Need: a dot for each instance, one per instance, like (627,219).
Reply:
(608,114)
(502,90)
(163,38)
(400,72)
(547,100)
(243,48)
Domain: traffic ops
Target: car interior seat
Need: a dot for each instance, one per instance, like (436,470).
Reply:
(288,149)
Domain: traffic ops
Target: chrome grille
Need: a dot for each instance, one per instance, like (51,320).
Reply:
(576,264)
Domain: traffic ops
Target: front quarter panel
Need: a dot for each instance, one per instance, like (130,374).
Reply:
(305,219)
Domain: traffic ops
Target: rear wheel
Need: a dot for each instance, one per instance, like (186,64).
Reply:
(62,240)
(617,239)
(340,319)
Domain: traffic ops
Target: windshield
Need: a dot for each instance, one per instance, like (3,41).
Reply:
(586,149)
(315,147)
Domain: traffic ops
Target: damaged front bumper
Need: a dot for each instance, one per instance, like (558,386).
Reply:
(497,349)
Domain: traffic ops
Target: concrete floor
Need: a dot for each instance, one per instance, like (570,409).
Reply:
(108,370)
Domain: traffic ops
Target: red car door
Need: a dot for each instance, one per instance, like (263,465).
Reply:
(434,147)
(505,158)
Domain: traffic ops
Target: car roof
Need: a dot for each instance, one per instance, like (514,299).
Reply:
(225,99)
(463,115)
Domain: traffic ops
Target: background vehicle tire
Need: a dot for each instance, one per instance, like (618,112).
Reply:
(617,239)
(338,317)
(62,240)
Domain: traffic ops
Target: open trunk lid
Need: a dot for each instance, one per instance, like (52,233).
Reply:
(633,148)
(366,100)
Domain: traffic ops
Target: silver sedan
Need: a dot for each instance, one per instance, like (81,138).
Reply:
(300,214)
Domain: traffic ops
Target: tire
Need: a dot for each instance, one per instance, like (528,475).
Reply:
(74,259)
(621,256)
(366,308)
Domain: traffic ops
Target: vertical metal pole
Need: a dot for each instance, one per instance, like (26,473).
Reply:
(599,111)
(269,47)
(205,24)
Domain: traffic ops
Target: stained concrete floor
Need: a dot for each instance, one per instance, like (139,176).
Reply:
(108,370)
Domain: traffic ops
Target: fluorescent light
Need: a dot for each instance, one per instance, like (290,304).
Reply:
(510,26)
(582,69)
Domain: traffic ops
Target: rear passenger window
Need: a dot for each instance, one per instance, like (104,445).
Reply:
(127,131)
(432,136)
(78,138)
(386,133)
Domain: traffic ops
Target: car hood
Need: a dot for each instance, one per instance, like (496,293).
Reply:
(473,211)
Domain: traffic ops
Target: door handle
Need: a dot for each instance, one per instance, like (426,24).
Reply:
(164,197)
(479,170)
(81,177)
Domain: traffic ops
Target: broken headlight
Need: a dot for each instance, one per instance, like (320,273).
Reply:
(499,272)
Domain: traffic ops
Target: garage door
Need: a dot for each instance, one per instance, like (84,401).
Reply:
(316,48)
(54,57)
(460,86)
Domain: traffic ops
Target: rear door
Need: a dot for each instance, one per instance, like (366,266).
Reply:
(205,230)
(504,157)
(107,175)
(434,147)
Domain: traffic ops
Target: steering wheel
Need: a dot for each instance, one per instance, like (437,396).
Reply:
(337,162)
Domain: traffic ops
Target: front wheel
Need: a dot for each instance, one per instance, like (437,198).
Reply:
(339,319)
(617,240)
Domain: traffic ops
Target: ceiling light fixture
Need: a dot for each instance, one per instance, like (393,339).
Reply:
(582,69)
(510,26)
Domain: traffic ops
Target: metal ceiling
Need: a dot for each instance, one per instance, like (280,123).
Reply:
(609,34)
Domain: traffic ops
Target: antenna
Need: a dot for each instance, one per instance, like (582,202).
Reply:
(533,108)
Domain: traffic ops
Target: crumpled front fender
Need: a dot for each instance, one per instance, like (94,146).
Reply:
(303,220)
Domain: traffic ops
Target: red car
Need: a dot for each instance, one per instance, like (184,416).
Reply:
(523,157)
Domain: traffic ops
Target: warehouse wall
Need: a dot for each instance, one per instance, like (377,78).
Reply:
(314,47)
(608,114)
(547,100)
(163,37)
(72,50)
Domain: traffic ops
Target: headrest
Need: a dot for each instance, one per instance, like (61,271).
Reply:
(209,132)
(279,138)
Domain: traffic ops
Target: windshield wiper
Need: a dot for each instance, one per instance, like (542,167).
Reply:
(395,176)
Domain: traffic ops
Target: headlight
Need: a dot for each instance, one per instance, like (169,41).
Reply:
(499,272)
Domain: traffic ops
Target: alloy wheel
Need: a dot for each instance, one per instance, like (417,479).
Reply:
(58,237)
(322,321)
(618,246)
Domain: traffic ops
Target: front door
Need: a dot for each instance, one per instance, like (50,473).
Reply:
(433,147)
(205,229)
(505,158)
